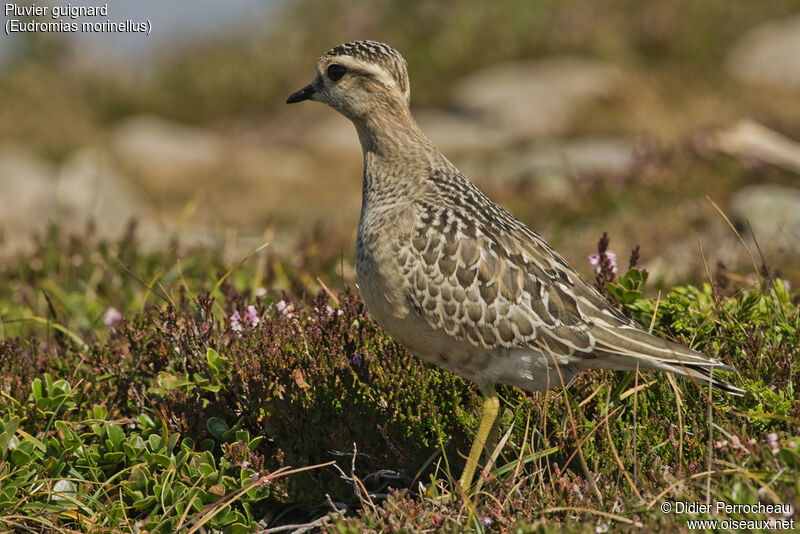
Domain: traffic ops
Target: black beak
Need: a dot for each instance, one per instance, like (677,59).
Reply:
(303,94)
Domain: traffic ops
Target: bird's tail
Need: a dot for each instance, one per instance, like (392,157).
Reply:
(626,348)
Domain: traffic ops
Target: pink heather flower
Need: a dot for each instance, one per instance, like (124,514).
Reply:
(285,308)
(261,291)
(772,440)
(252,316)
(486,521)
(236,322)
(594,261)
(112,317)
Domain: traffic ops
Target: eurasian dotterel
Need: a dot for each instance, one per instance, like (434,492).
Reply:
(454,277)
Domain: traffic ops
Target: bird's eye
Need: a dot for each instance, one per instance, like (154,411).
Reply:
(335,72)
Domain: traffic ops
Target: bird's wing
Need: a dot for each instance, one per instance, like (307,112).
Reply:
(487,279)
(472,278)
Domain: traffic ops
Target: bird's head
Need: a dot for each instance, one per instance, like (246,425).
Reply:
(358,79)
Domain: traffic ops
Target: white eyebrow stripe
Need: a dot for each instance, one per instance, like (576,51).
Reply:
(370,68)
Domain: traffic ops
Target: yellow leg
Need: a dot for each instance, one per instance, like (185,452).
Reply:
(487,431)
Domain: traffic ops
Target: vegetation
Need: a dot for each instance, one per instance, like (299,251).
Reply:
(178,390)
(210,402)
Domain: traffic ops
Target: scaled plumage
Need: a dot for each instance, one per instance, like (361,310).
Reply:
(456,278)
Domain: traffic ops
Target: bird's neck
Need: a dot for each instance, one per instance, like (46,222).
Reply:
(390,132)
(397,155)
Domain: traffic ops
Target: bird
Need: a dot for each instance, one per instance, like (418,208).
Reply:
(455,278)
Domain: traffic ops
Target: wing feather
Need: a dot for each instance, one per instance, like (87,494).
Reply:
(487,279)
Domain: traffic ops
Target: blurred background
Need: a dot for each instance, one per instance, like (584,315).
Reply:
(670,124)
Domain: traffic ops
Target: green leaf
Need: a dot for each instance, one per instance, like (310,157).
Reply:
(115,434)
(154,442)
(215,361)
(139,477)
(616,291)
(60,388)
(217,428)
(167,495)
(253,445)
(63,490)
(36,386)
(631,296)
(789,457)
(236,528)
(113,457)
(20,457)
(161,460)
(136,495)
(145,504)
(7,430)
(181,458)
(130,452)
(226,516)
(145,422)
(172,440)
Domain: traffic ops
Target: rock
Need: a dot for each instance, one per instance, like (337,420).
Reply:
(768,55)
(536,98)
(26,195)
(554,166)
(451,132)
(749,140)
(90,188)
(773,212)
(455,133)
(606,155)
(157,148)
(687,259)
(86,188)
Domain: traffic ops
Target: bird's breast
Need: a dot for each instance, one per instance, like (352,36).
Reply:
(380,281)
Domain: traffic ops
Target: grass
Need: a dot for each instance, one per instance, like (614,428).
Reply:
(234,394)
(302,411)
